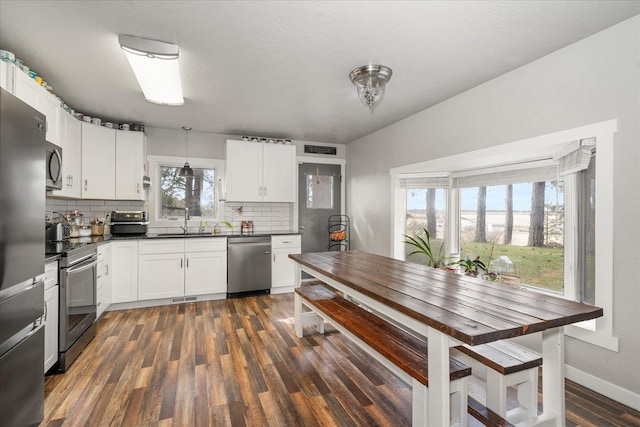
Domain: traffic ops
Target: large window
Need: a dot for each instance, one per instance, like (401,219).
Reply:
(171,193)
(425,211)
(517,230)
(529,210)
(196,193)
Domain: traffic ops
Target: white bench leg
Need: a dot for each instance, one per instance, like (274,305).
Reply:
(458,401)
(419,404)
(526,383)
(497,392)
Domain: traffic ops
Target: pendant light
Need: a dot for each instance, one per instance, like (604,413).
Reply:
(186,169)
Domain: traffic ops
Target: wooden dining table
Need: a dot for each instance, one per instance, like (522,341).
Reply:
(449,309)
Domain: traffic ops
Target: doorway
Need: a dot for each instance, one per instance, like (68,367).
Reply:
(319,196)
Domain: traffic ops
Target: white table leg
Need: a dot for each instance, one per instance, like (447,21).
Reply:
(553,374)
(439,387)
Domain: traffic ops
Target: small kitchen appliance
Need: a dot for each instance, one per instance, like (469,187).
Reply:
(129,222)
(53,169)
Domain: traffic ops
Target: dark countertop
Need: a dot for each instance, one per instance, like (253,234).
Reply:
(56,248)
(181,236)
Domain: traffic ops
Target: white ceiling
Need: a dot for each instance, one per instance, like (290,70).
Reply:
(280,68)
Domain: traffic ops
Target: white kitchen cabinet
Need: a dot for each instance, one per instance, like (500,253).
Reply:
(98,162)
(50,106)
(161,269)
(6,76)
(71,143)
(26,88)
(283,271)
(130,148)
(51,301)
(206,266)
(161,276)
(124,271)
(50,319)
(103,286)
(257,172)
(171,268)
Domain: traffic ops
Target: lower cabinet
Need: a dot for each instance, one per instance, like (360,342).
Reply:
(206,262)
(283,271)
(170,268)
(124,271)
(160,276)
(103,286)
(50,320)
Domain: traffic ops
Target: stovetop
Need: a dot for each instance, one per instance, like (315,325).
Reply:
(66,247)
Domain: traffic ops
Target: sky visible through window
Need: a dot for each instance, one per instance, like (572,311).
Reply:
(495,198)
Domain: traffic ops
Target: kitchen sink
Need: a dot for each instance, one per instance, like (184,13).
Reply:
(184,234)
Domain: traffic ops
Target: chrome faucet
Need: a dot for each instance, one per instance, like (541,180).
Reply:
(186,218)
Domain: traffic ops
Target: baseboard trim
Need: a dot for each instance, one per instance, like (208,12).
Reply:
(612,391)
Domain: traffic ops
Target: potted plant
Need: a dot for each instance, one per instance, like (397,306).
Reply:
(471,267)
(423,246)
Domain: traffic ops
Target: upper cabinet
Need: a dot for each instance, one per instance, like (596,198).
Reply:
(26,88)
(71,143)
(112,163)
(130,158)
(259,172)
(98,162)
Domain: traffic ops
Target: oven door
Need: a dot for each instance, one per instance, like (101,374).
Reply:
(78,294)
(53,169)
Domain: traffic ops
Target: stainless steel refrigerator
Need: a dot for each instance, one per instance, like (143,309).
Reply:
(22,206)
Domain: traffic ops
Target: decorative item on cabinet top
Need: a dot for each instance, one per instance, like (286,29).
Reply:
(266,140)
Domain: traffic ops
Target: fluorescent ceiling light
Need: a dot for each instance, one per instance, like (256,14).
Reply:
(155,65)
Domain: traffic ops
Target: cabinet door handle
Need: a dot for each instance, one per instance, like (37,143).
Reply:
(106,270)
(187,262)
(180,263)
(86,183)
(46,312)
(265,191)
(260,191)
(138,188)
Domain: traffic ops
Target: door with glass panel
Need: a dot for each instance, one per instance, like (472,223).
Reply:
(318,198)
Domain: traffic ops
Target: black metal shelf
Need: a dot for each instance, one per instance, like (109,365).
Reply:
(339,233)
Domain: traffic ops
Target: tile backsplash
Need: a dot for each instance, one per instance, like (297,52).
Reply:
(266,217)
(92,208)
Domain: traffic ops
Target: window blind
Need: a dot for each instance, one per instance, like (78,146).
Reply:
(424,181)
(509,176)
(575,157)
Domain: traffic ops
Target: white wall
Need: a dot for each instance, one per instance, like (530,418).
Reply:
(591,81)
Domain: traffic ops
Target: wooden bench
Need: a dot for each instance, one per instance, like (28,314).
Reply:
(506,364)
(399,351)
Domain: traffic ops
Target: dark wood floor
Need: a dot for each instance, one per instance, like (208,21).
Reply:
(238,362)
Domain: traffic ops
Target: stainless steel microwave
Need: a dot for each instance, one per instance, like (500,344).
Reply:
(53,169)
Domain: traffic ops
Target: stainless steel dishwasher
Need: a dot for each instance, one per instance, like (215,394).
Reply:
(248,265)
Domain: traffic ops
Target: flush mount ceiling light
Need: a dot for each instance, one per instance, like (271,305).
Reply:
(155,65)
(370,81)
(186,170)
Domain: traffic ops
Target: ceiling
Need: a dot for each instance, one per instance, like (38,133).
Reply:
(280,68)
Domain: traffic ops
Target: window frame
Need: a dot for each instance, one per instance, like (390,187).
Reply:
(598,331)
(155,163)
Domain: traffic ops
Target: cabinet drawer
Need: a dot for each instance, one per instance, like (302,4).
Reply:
(102,249)
(50,275)
(164,246)
(211,244)
(288,241)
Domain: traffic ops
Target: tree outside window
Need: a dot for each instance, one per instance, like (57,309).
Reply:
(196,193)
(517,230)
